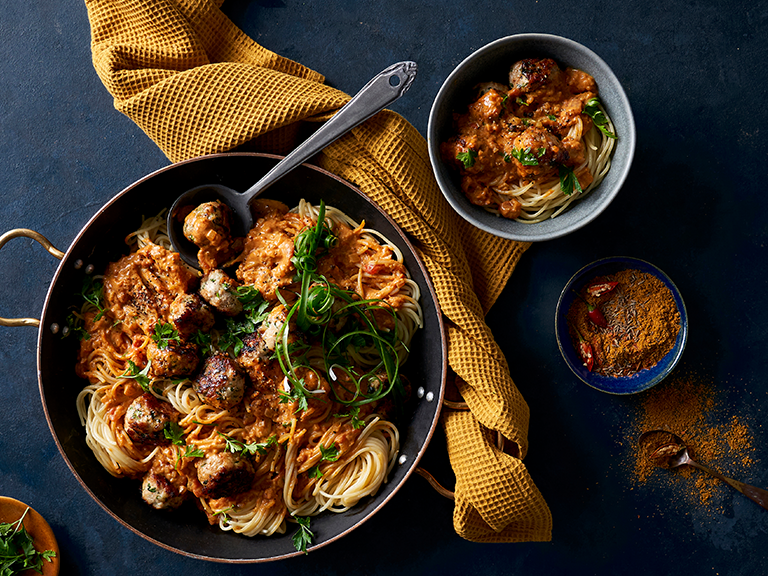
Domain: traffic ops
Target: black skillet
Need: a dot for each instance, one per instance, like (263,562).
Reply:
(186,531)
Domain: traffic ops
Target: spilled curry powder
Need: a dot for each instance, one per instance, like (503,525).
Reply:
(695,409)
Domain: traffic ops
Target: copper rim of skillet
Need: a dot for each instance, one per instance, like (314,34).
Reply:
(186,531)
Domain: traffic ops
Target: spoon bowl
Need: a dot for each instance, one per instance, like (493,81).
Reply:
(379,92)
(667,450)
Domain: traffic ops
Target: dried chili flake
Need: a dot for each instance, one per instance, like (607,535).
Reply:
(586,352)
(594,313)
(600,288)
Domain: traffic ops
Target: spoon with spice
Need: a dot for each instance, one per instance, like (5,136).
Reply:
(667,450)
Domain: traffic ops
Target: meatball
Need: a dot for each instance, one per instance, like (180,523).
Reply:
(221,383)
(533,73)
(271,328)
(256,359)
(544,146)
(218,290)
(146,418)
(488,106)
(173,359)
(159,492)
(224,474)
(189,313)
(208,227)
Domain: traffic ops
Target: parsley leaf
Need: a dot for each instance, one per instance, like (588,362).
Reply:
(521,102)
(297,393)
(93,293)
(254,305)
(354,416)
(74,325)
(303,536)
(174,433)
(251,448)
(141,376)
(568,181)
(204,341)
(526,157)
(165,334)
(592,109)
(193,452)
(467,158)
(330,454)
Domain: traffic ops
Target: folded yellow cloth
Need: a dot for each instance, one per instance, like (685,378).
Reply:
(196,84)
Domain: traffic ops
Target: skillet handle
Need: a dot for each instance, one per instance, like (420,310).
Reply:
(45,243)
(426,475)
(431,479)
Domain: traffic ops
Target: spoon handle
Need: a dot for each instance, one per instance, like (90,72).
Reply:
(752,492)
(379,92)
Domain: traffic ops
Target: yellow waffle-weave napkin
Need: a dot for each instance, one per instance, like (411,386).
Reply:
(196,84)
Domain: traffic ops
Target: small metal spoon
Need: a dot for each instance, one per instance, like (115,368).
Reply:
(379,92)
(667,450)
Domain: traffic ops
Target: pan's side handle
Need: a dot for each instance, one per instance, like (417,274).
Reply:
(45,243)
(431,479)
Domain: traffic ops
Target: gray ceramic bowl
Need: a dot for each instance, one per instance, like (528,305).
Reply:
(492,62)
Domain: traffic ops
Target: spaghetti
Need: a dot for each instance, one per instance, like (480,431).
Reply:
(528,150)
(271,405)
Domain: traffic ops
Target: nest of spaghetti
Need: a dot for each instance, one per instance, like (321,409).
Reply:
(527,149)
(265,388)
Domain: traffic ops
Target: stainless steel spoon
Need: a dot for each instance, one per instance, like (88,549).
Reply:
(379,92)
(667,450)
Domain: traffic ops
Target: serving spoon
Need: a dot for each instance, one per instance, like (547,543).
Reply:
(379,92)
(667,450)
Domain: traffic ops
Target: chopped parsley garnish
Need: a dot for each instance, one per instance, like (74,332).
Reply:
(254,305)
(74,325)
(17,549)
(592,109)
(303,536)
(552,117)
(467,158)
(526,157)
(174,433)
(204,341)
(521,102)
(140,376)
(93,293)
(568,181)
(354,416)
(247,448)
(193,452)
(330,454)
(165,334)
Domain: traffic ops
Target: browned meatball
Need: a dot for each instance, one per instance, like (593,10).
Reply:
(221,383)
(175,359)
(533,73)
(544,146)
(159,492)
(208,227)
(208,222)
(218,290)
(146,418)
(271,328)
(224,474)
(189,313)
(256,359)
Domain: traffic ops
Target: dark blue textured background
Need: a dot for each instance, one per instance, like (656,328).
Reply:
(694,205)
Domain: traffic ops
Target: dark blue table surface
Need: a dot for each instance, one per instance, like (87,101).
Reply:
(695,205)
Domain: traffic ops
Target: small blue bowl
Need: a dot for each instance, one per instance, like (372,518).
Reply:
(617,385)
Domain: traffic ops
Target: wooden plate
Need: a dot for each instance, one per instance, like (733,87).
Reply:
(41,533)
